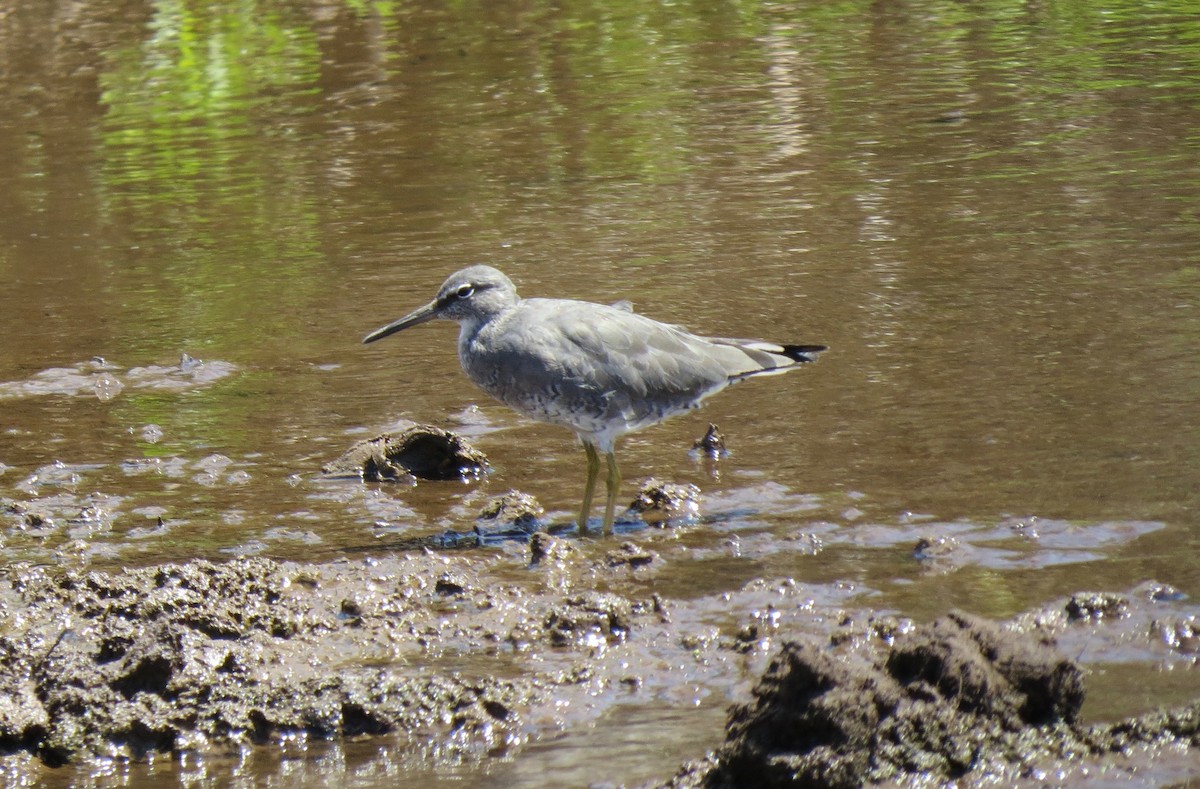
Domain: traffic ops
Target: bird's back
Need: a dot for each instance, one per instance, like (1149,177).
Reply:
(601,370)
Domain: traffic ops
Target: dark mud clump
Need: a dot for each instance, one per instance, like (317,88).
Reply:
(514,508)
(960,696)
(1095,606)
(711,444)
(417,451)
(658,501)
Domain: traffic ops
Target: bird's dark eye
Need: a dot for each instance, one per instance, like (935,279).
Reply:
(464,291)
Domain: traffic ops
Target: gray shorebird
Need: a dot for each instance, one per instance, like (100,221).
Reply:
(601,371)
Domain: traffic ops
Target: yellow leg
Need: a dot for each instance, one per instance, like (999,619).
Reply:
(589,488)
(612,483)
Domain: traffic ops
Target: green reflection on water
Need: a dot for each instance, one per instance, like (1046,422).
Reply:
(200,153)
(204,78)
(205,186)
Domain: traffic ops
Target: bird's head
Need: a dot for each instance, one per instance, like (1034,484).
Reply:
(472,295)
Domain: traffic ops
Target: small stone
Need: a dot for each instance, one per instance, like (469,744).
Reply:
(661,501)
(1095,606)
(631,554)
(515,508)
(712,443)
(449,585)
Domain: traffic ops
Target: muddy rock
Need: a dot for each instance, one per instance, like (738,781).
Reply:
(664,501)
(712,443)
(417,451)
(631,555)
(949,697)
(544,548)
(512,509)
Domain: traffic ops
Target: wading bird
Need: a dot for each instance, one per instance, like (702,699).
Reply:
(601,371)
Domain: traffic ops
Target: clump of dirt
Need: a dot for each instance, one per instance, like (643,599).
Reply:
(658,501)
(958,697)
(712,443)
(944,697)
(589,618)
(1096,606)
(514,508)
(545,548)
(415,452)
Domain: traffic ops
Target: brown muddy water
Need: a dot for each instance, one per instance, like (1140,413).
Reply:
(989,212)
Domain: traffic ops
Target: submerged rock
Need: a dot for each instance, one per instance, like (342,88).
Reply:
(420,451)
(100,378)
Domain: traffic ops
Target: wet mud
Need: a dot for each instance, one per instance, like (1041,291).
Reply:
(461,656)
(105,379)
(468,656)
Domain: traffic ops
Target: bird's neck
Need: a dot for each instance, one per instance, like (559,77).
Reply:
(468,329)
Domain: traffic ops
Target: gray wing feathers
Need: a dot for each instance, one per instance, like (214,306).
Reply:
(591,361)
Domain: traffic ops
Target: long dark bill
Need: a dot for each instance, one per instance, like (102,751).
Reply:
(426,313)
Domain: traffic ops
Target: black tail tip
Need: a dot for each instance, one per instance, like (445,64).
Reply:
(803,353)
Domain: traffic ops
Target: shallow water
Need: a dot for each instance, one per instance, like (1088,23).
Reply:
(991,215)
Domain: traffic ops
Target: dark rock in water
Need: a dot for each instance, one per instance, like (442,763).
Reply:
(420,451)
(1096,605)
(712,443)
(630,554)
(513,508)
(546,548)
(660,501)
(949,697)
(934,548)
